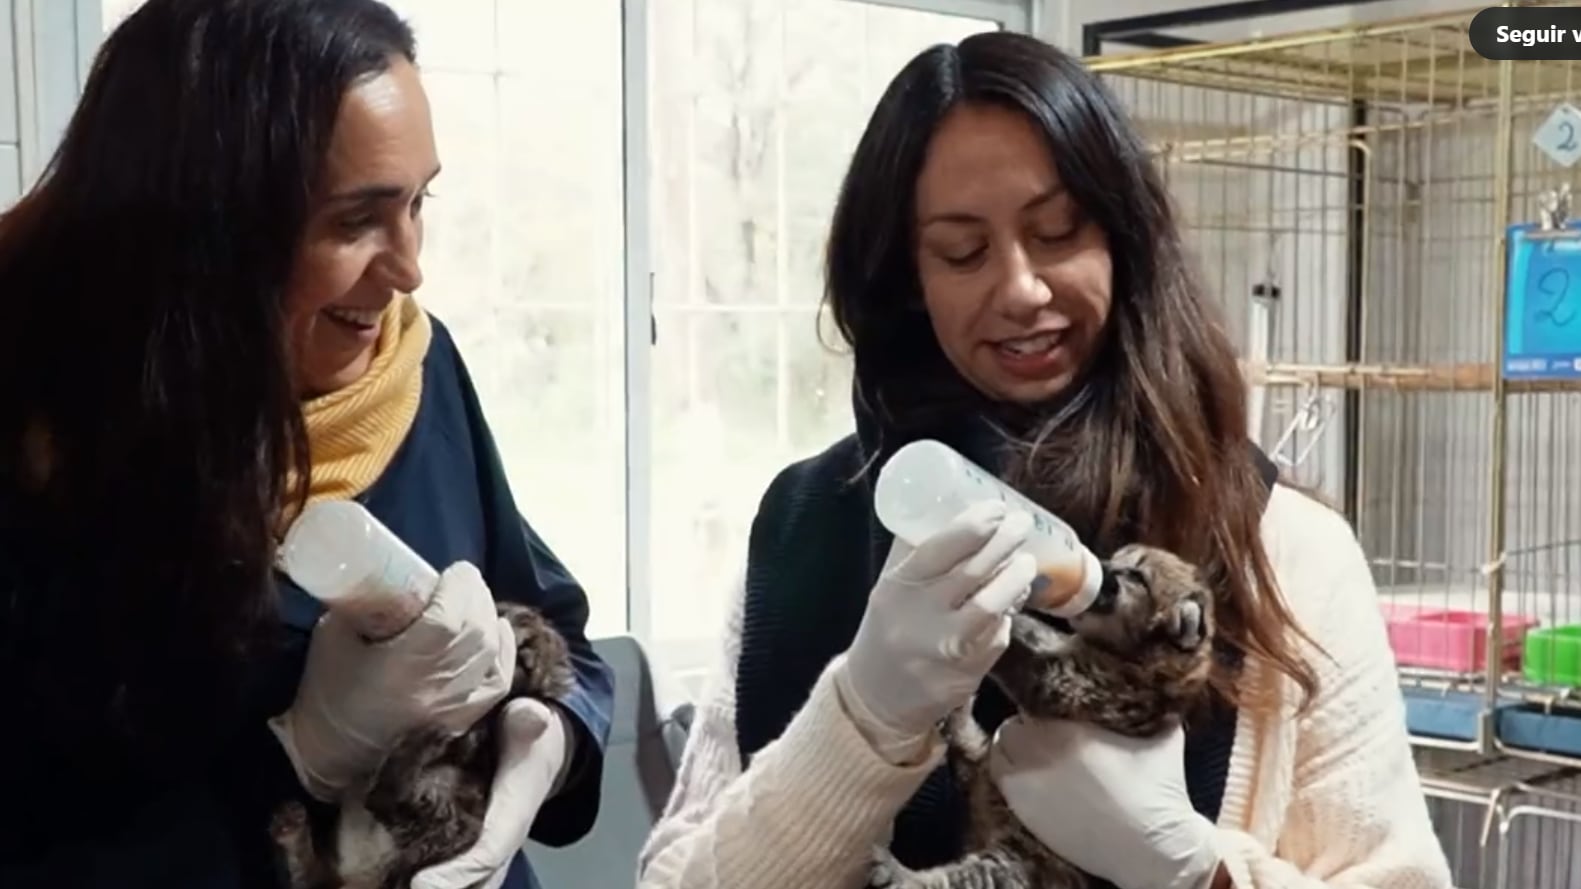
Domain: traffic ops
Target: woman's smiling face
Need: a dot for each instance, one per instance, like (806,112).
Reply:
(365,231)
(1015,278)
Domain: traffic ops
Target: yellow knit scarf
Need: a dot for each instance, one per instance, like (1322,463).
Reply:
(353,433)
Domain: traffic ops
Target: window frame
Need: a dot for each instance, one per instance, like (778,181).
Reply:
(1012,15)
(641,325)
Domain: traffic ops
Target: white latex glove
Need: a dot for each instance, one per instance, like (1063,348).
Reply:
(533,751)
(1115,807)
(356,698)
(936,620)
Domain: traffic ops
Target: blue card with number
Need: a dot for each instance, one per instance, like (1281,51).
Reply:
(1542,323)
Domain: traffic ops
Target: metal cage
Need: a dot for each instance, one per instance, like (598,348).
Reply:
(1347,195)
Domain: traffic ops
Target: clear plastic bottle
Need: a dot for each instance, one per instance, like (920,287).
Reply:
(927,483)
(347,559)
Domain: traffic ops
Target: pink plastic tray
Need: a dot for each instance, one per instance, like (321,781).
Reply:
(1452,640)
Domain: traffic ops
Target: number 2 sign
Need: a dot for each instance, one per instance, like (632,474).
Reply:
(1560,135)
(1542,325)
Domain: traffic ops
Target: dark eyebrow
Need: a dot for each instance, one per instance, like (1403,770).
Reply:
(367,194)
(1044,197)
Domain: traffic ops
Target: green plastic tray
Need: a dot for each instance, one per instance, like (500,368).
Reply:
(1553,655)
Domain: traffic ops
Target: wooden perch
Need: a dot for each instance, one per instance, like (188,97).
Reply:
(1466,377)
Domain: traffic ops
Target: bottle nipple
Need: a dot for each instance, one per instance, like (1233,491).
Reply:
(1067,588)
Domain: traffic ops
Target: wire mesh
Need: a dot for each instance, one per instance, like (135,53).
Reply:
(1506,823)
(1346,195)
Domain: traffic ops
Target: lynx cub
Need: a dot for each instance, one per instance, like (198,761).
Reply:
(425,804)
(1137,660)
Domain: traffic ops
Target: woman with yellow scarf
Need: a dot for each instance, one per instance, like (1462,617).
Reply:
(209,327)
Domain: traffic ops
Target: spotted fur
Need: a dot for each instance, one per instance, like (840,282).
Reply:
(425,803)
(1134,664)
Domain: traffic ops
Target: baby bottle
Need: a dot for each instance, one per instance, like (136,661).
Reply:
(927,483)
(347,559)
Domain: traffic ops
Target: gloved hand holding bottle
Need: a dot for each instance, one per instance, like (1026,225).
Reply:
(355,698)
(937,620)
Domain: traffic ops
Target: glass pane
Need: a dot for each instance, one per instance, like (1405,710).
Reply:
(111,13)
(523,257)
(523,254)
(756,106)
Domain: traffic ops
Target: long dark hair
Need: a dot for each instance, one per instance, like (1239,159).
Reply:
(150,431)
(1151,443)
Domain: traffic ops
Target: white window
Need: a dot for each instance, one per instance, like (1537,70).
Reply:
(627,244)
(115,10)
(523,256)
(755,108)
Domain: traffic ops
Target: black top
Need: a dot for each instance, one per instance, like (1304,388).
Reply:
(72,824)
(815,551)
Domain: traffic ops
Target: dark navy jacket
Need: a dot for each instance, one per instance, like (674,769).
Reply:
(446,495)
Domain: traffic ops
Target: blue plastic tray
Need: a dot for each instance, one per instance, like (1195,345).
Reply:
(1451,715)
(1527,727)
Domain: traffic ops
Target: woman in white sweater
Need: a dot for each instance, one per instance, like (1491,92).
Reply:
(1004,263)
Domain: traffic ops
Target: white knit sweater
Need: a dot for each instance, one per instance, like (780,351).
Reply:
(1328,800)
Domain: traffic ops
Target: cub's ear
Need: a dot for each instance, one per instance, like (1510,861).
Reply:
(1187,624)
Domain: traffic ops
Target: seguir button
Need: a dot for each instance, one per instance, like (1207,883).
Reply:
(1527,33)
